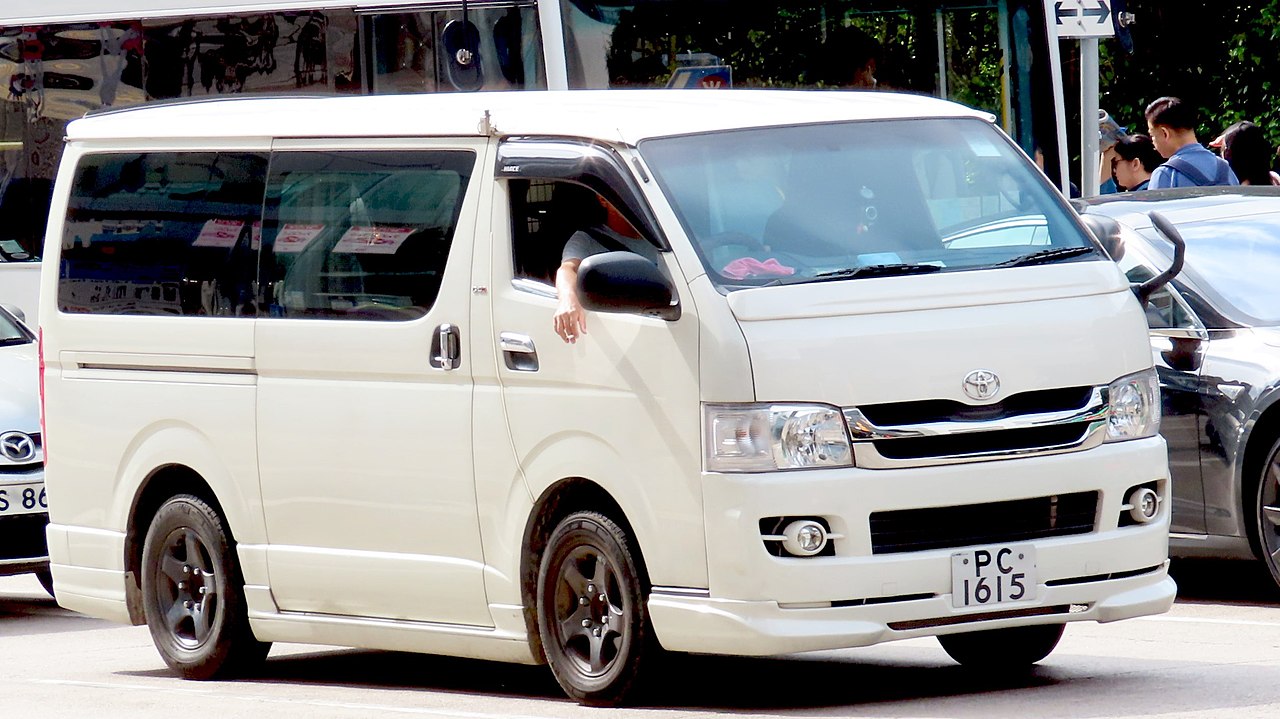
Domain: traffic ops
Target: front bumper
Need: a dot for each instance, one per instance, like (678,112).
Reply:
(720,626)
(757,603)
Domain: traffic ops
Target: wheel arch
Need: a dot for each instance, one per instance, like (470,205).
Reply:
(160,485)
(569,495)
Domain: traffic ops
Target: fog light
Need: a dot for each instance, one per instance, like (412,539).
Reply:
(1144,505)
(804,538)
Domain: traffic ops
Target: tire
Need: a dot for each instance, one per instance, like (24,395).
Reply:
(1013,649)
(592,616)
(1267,514)
(192,594)
(46,579)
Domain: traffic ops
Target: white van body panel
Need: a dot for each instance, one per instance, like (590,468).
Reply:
(636,379)
(379,502)
(392,492)
(624,118)
(866,357)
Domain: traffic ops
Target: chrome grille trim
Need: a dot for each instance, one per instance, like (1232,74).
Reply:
(1092,418)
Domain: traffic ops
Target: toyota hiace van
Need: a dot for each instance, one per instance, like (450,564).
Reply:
(870,379)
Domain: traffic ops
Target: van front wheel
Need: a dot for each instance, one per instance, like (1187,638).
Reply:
(1003,649)
(192,593)
(592,617)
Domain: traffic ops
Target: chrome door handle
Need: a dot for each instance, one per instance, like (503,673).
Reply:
(518,351)
(446,347)
(513,342)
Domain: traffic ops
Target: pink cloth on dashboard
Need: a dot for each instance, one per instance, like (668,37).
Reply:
(745,267)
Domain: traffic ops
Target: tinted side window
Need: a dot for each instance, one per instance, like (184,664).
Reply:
(360,235)
(163,233)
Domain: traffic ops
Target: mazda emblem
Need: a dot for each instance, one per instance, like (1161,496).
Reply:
(17,447)
(981,384)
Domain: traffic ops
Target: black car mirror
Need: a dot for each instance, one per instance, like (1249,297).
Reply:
(1170,233)
(1107,232)
(627,283)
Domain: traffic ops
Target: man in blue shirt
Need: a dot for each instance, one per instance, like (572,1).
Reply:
(1172,123)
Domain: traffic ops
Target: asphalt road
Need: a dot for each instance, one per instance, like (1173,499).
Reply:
(1217,654)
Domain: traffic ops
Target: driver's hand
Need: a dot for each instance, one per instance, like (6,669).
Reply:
(570,320)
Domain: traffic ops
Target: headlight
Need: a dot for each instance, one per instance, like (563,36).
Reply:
(763,437)
(1135,407)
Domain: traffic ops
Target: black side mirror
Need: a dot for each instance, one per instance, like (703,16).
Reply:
(1170,233)
(1107,232)
(628,283)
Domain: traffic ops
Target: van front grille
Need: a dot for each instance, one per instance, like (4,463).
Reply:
(946,410)
(1002,441)
(931,432)
(918,530)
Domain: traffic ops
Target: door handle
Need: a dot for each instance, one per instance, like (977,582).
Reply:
(518,351)
(446,347)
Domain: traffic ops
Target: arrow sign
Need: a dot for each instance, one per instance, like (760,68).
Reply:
(1079,18)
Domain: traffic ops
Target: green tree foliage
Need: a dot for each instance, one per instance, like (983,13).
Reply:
(1223,57)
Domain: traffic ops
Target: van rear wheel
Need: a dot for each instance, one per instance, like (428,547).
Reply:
(592,617)
(192,593)
(1003,649)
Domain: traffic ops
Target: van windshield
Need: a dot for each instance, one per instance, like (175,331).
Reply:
(840,201)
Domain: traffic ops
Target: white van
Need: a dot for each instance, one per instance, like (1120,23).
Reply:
(859,375)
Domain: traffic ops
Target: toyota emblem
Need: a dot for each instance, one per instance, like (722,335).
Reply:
(17,446)
(981,384)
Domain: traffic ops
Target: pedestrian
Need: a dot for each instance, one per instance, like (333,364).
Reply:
(1171,123)
(1109,133)
(1245,147)
(1134,161)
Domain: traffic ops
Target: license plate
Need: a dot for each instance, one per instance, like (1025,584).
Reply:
(993,575)
(22,499)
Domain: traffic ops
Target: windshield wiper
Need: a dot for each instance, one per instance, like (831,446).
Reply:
(1045,256)
(890,270)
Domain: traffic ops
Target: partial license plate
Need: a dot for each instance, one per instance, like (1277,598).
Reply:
(22,499)
(993,575)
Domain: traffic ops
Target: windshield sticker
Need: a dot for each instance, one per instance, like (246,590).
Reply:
(373,240)
(983,146)
(880,258)
(255,235)
(219,233)
(295,238)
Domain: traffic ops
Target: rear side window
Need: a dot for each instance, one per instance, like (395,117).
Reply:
(360,234)
(163,233)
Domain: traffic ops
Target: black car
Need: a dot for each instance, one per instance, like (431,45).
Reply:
(1215,334)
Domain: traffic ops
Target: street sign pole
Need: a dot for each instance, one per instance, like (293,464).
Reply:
(1059,96)
(1089,179)
(1087,21)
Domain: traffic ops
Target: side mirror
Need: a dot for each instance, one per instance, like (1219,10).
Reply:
(628,283)
(1107,232)
(1170,233)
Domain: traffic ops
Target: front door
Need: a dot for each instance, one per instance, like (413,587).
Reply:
(365,394)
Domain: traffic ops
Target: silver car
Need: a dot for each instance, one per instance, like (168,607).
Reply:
(24,509)
(1215,336)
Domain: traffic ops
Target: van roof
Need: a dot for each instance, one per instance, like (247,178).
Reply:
(626,116)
